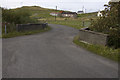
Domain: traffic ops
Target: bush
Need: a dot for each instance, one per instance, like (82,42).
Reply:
(109,23)
(12,17)
(19,16)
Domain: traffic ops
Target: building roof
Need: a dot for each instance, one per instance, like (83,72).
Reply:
(69,13)
(80,11)
(54,13)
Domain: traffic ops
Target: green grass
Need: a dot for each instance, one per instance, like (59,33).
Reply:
(43,15)
(107,52)
(72,23)
(75,23)
(38,12)
(15,33)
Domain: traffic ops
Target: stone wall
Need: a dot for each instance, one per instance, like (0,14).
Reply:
(29,27)
(93,37)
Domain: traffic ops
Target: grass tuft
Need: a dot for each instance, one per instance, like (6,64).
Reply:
(104,51)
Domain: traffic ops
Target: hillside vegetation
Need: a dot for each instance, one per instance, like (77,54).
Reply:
(23,15)
(38,12)
(43,15)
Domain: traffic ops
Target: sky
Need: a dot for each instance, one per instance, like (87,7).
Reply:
(70,5)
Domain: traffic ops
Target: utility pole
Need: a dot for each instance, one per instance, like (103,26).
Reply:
(83,12)
(55,13)
(83,8)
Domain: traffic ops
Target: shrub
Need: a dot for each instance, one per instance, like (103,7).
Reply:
(19,16)
(11,17)
(109,23)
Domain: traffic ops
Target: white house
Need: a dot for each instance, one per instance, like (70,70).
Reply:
(99,14)
(54,14)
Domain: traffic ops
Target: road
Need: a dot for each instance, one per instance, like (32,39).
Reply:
(52,54)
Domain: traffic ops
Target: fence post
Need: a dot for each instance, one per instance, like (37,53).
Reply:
(83,23)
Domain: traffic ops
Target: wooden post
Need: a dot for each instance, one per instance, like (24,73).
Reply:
(55,14)
(83,23)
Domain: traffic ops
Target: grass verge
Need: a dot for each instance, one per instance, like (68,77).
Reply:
(107,52)
(15,33)
(78,24)
(83,20)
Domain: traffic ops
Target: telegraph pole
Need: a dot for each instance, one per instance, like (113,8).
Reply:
(83,20)
(55,13)
(83,8)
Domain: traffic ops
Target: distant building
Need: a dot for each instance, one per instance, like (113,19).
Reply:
(65,14)
(80,12)
(54,14)
(69,14)
(99,14)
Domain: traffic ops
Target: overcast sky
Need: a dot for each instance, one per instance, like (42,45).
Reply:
(71,5)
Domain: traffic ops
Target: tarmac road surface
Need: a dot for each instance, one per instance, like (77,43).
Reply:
(52,54)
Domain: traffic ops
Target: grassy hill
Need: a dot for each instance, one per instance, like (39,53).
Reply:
(36,11)
(43,15)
